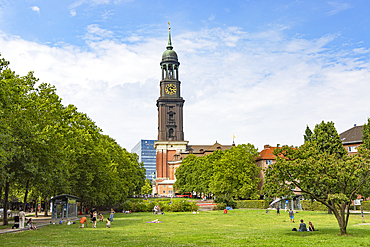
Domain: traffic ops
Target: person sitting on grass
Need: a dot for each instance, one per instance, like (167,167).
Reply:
(302,227)
(82,221)
(107,223)
(310,227)
(156,209)
(101,218)
(30,224)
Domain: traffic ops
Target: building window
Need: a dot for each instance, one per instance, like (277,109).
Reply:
(164,186)
(268,162)
(170,133)
(170,186)
(164,192)
(352,149)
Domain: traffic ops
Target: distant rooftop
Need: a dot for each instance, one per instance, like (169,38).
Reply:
(353,135)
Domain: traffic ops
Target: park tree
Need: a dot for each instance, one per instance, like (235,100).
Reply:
(147,188)
(364,151)
(325,139)
(235,173)
(48,149)
(327,176)
(186,174)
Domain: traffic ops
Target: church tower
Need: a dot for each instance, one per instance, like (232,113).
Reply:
(170,115)
(170,102)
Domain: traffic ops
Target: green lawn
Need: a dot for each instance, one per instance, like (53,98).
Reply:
(240,227)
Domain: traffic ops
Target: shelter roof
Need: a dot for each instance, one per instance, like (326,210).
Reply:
(64,196)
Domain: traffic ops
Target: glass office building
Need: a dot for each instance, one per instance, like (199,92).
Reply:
(145,150)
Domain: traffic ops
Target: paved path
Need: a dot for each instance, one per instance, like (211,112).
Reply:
(38,222)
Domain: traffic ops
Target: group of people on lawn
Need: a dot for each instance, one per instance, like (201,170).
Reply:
(302,225)
(94,217)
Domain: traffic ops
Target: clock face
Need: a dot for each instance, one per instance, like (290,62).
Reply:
(171,89)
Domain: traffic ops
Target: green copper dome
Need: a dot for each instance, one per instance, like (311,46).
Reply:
(169,55)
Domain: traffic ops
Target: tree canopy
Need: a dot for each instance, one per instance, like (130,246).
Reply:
(231,172)
(47,148)
(319,169)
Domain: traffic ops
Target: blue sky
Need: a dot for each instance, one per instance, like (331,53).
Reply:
(261,70)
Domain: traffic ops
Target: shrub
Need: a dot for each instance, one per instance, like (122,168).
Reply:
(227,200)
(220,206)
(365,205)
(313,206)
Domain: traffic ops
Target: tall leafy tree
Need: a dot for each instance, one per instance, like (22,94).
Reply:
(235,173)
(147,188)
(325,139)
(329,177)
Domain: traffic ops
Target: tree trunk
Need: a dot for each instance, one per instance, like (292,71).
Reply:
(25,196)
(342,222)
(6,198)
(46,206)
(329,211)
(1,192)
(36,210)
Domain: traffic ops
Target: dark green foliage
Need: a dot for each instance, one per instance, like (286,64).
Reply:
(226,200)
(231,172)
(366,135)
(313,206)
(365,205)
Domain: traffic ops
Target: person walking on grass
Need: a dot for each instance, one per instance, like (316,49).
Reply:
(291,215)
(95,215)
(112,212)
(278,210)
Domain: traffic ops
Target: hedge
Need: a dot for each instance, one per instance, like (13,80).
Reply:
(313,206)
(252,204)
(365,205)
(165,205)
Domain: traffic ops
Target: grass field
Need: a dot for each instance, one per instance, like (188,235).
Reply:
(239,227)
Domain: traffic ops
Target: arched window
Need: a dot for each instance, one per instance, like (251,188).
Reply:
(170,133)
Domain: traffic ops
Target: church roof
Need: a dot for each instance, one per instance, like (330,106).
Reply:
(199,150)
(202,149)
(353,135)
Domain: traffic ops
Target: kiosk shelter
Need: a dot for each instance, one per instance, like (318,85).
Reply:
(64,206)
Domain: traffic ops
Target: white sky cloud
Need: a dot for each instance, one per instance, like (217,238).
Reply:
(36,9)
(338,7)
(263,87)
(73,12)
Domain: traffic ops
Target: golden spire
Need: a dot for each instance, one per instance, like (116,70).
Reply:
(169,24)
